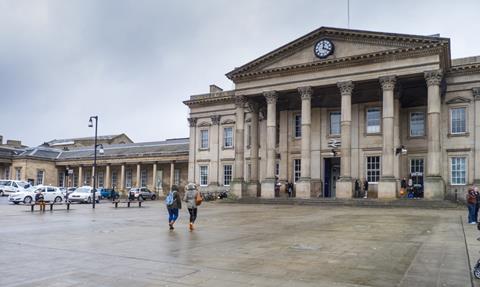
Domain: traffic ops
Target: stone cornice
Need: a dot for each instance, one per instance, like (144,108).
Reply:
(465,69)
(215,98)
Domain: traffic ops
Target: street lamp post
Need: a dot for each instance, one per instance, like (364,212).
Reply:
(95,146)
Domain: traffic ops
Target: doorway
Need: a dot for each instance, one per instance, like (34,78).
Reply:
(331,175)
(416,172)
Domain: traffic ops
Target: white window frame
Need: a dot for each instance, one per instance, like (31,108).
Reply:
(465,170)
(18,173)
(297,169)
(376,170)
(207,142)
(227,174)
(225,138)
(40,179)
(128,178)
(368,121)
(114,178)
(330,123)
(61,179)
(297,125)
(464,120)
(7,172)
(410,124)
(100,179)
(203,175)
(143,177)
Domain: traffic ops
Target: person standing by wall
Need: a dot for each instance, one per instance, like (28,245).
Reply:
(193,198)
(403,187)
(357,188)
(174,203)
(477,205)
(471,205)
(365,188)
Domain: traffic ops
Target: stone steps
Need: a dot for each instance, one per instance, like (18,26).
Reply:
(360,202)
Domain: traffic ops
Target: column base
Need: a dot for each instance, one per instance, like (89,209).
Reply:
(434,187)
(238,188)
(268,188)
(304,188)
(344,188)
(253,189)
(387,188)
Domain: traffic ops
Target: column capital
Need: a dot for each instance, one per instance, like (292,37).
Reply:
(305,92)
(271,97)
(240,101)
(253,107)
(192,122)
(215,119)
(346,88)
(433,78)
(476,93)
(388,82)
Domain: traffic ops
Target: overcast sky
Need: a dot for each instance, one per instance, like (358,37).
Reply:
(132,63)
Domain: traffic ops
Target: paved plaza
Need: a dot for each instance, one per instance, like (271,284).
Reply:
(236,245)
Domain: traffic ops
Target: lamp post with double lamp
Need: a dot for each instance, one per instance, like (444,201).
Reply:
(95,146)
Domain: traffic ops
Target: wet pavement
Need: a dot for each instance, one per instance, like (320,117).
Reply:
(236,245)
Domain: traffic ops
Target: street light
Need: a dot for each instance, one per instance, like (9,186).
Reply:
(90,125)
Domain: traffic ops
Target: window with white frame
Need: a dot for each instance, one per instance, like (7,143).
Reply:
(417,124)
(227,174)
(101,179)
(373,120)
(335,123)
(228,137)
(143,177)
(18,173)
(203,139)
(88,177)
(128,178)
(373,169)
(61,179)
(298,125)
(458,121)
(40,177)
(176,177)
(114,178)
(203,175)
(458,170)
(297,169)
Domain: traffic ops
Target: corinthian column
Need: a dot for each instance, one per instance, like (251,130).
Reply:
(191,151)
(304,184)
(434,186)
(268,184)
(253,184)
(476,97)
(214,152)
(345,184)
(387,184)
(238,183)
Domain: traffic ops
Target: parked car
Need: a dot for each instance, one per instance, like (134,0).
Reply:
(107,193)
(84,194)
(142,193)
(10,186)
(50,193)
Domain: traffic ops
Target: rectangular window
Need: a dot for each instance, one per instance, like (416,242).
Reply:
(373,120)
(100,179)
(114,178)
(227,174)
(176,177)
(373,169)
(335,123)
(297,169)
(40,176)
(18,173)
(417,124)
(7,173)
(75,179)
(203,175)
(61,179)
(458,171)
(204,139)
(458,120)
(228,137)
(298,126)
(128,178)
(143,177)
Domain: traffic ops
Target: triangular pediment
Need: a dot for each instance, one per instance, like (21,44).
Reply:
(458,100)
(348,45)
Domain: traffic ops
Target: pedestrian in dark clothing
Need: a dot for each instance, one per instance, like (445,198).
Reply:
(174,203)
(357,188)
(289,187)
(477,205)
(113,193)
(192,199)
(403,187)
(471,204)
(365,188)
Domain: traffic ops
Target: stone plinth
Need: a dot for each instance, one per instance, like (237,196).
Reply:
(268,188)
(434,188)
(303,188)
(344,188)
(387,188)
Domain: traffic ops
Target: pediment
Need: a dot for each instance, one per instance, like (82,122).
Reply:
(228,122)
(458,100)
(204,124)
(349,45)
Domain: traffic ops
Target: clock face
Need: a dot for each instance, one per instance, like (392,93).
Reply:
(323,48)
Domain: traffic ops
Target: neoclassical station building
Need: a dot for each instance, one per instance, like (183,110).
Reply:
(338,105)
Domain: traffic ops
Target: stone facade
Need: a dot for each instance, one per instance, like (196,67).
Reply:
(324,122)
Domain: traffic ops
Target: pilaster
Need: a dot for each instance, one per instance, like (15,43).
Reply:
(476,97)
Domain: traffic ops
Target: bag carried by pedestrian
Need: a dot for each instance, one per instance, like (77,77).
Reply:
(169,199)
(198,199)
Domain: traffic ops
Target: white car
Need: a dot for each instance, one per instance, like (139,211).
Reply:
(84,194)
(12,186)
(50,193)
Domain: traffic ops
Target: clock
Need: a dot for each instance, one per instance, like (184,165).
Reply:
(323,48)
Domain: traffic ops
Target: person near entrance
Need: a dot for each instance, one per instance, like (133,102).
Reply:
(289,187)
(471,205)
(410,188)
(365,188)
(403,187)
(477,205)
(357,188)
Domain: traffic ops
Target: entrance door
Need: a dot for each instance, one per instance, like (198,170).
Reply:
(416,172)
(331,175)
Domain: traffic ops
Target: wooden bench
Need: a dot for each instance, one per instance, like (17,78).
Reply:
(128,202)
(45,203)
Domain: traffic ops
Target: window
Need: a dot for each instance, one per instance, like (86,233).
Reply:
(7,173)
(87,178)
(373,120)
(128,178)
(458,170)
(297,169)
(227,174)
(75,179)
(457,117)
(298,125)
(417,124)
(100,179)
(228,137)
(335,123)
(61,179)
(204,139)
(373,169)
(114,178)
(40,176)
(277,169)
(143,177)
(18,173)
(176,177)
(203,175)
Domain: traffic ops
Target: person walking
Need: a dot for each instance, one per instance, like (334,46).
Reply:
(365,188)
(289,187)
(193,198)
(174,203)
(403,187)
(471,205)
(477,205)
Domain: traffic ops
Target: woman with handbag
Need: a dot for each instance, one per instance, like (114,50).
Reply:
(193,199)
